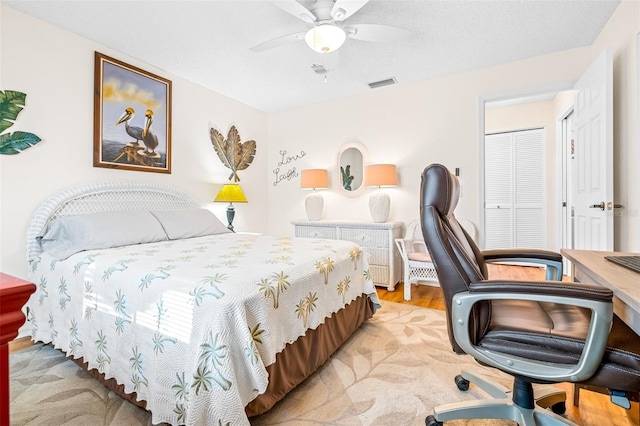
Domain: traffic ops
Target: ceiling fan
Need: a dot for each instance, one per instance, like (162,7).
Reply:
(327,29)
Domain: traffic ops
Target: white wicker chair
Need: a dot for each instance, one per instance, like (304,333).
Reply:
(415,259)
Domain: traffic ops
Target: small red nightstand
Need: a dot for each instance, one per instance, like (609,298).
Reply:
(14,293)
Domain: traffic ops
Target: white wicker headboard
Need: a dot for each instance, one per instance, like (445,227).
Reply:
(104,197)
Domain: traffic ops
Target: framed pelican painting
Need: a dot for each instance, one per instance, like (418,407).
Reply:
(132,118)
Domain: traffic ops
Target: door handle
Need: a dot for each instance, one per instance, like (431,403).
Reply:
(611,206)
(598,206)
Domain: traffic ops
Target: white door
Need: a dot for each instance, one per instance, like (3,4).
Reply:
(498,191)
(514,190)
(567,177)
(566,210)
(593,165)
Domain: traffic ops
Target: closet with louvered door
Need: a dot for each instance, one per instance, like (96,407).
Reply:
(514,176)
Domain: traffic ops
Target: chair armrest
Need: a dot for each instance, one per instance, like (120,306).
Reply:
(402,248)
(522,254)
(598,300)
(552,259)
(554,288)
(409,246)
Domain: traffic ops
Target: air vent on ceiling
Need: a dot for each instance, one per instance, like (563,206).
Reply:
(382,83)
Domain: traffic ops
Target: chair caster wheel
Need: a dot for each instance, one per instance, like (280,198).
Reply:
(431,421)
(559,407)
(462,383)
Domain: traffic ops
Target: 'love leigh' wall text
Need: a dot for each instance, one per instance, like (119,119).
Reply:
(284,170)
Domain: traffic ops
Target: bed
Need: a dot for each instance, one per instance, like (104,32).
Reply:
(158,300)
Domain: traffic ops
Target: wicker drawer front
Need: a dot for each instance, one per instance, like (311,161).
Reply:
(376,240)
(316,232)
(377,256)
(379,274)
(366,237)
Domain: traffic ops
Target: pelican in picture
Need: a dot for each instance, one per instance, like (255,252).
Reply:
(150,140)
(133,131)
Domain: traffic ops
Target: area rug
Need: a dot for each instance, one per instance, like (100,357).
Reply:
(393,371)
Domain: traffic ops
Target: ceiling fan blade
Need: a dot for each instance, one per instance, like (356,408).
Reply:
(345,8)
(294,8)
(376,33)
(278,41)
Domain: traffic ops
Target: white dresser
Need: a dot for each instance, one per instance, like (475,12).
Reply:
(377,240)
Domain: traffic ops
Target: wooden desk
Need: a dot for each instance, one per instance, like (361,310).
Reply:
(590,267)
(14,293)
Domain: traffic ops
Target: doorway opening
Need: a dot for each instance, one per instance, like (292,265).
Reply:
(587,171)
(548,109)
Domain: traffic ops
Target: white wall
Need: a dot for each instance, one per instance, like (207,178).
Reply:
(620,34)
(436,120)
(55,69)
(411,125)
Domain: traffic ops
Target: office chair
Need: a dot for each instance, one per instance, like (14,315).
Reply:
(537,331)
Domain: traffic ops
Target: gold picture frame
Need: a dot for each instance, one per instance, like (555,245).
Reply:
(132,118)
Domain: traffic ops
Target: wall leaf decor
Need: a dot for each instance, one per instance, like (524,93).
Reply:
(235,155)
(11,104)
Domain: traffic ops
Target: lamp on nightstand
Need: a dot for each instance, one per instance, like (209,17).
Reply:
(314,179)
(379,202)
(231,193)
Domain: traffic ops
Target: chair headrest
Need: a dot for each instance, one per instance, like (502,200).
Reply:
(440,189)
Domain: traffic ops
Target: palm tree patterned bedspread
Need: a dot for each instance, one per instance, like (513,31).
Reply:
(190,325)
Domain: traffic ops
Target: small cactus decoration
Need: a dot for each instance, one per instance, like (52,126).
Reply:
(11,104)
(346,177)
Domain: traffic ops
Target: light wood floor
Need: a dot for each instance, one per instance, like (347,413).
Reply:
(595,408)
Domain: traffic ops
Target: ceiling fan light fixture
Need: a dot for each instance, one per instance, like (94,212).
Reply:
(325,38)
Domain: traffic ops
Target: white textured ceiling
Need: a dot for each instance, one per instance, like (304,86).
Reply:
(208,42)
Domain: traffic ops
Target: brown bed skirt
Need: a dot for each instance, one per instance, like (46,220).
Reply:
(296,362)
(304,356)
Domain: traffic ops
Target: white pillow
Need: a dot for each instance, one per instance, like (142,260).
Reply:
(189,223)
(68,235)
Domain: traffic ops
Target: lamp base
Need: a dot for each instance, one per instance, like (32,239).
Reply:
(313,205)
(379,206)
(231,213)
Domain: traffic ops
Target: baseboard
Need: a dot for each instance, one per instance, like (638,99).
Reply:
(20,343)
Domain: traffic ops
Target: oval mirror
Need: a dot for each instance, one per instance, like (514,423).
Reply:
(351,161)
